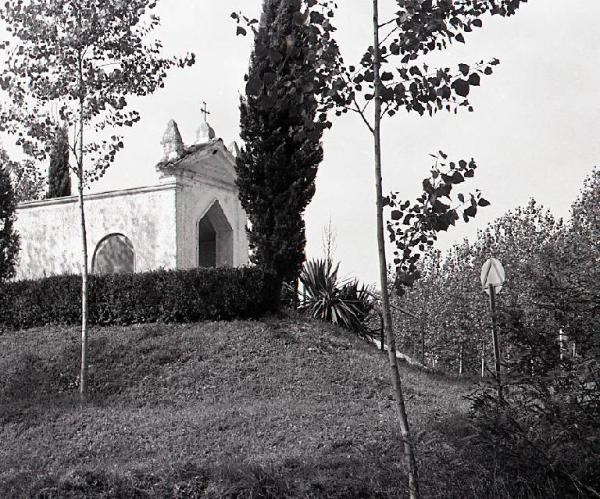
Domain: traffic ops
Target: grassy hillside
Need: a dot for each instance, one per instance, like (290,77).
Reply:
(243,409)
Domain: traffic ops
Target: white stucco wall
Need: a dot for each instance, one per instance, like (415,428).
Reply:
(50,230)
(194,200)
(160,221)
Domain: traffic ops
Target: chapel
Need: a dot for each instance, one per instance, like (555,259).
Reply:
(191,218)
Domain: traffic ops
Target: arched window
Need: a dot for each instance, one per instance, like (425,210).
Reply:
(215,239)
(114,255)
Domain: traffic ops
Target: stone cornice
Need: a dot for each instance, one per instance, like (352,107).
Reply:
(192,179)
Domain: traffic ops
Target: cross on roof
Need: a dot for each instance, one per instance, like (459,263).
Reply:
(205,111)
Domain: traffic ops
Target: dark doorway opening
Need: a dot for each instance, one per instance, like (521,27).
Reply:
(207,243)
(215,239)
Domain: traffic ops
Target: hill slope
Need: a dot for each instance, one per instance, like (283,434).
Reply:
(242,409)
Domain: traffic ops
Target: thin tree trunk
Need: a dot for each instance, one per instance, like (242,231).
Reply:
(382,333)
(84,291)
(482,361)
(413,484)
(84,255)
(422,326)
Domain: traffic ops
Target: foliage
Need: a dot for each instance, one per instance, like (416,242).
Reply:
(343,303)
(416,29)
(547,427)
(28,183)
(73,67)
(414,228)
(414,332)
(277,166)
(9,239)
(585,215)
(59,178)
(545,431)
(456,322)
(315,22)
(160,296)
(574,257)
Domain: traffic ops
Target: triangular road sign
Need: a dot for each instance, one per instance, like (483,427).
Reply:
(492,273)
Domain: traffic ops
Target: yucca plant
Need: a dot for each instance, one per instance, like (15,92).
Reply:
(345,303)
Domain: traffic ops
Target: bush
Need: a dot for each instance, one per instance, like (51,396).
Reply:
(346,304)
(122,299)
(545,431)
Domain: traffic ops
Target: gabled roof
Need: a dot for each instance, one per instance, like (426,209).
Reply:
(210,159)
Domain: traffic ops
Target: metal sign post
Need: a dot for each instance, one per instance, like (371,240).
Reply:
(492,279)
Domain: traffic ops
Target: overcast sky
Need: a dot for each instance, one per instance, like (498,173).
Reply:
(535,131)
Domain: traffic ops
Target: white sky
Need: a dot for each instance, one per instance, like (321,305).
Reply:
(535,131)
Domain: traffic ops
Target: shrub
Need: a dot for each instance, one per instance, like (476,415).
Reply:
(122,299)
(545,431)
(325,297)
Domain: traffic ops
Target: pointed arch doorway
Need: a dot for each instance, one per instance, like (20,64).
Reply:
(215,239)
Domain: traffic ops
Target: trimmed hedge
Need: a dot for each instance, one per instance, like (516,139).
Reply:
(122,299)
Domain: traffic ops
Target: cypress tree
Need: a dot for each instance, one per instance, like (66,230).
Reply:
(277,167)
(59,179)
(9,240)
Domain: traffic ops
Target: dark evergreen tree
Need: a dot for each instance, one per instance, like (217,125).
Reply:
(9,240)
(59,179)
(278,164)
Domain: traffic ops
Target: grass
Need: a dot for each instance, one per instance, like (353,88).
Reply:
(273,408)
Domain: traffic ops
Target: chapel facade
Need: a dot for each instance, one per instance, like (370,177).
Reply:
(191,218)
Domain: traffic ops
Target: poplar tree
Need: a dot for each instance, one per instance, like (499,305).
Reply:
(75,64)
(278,164)
(393,76)
(59,177)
